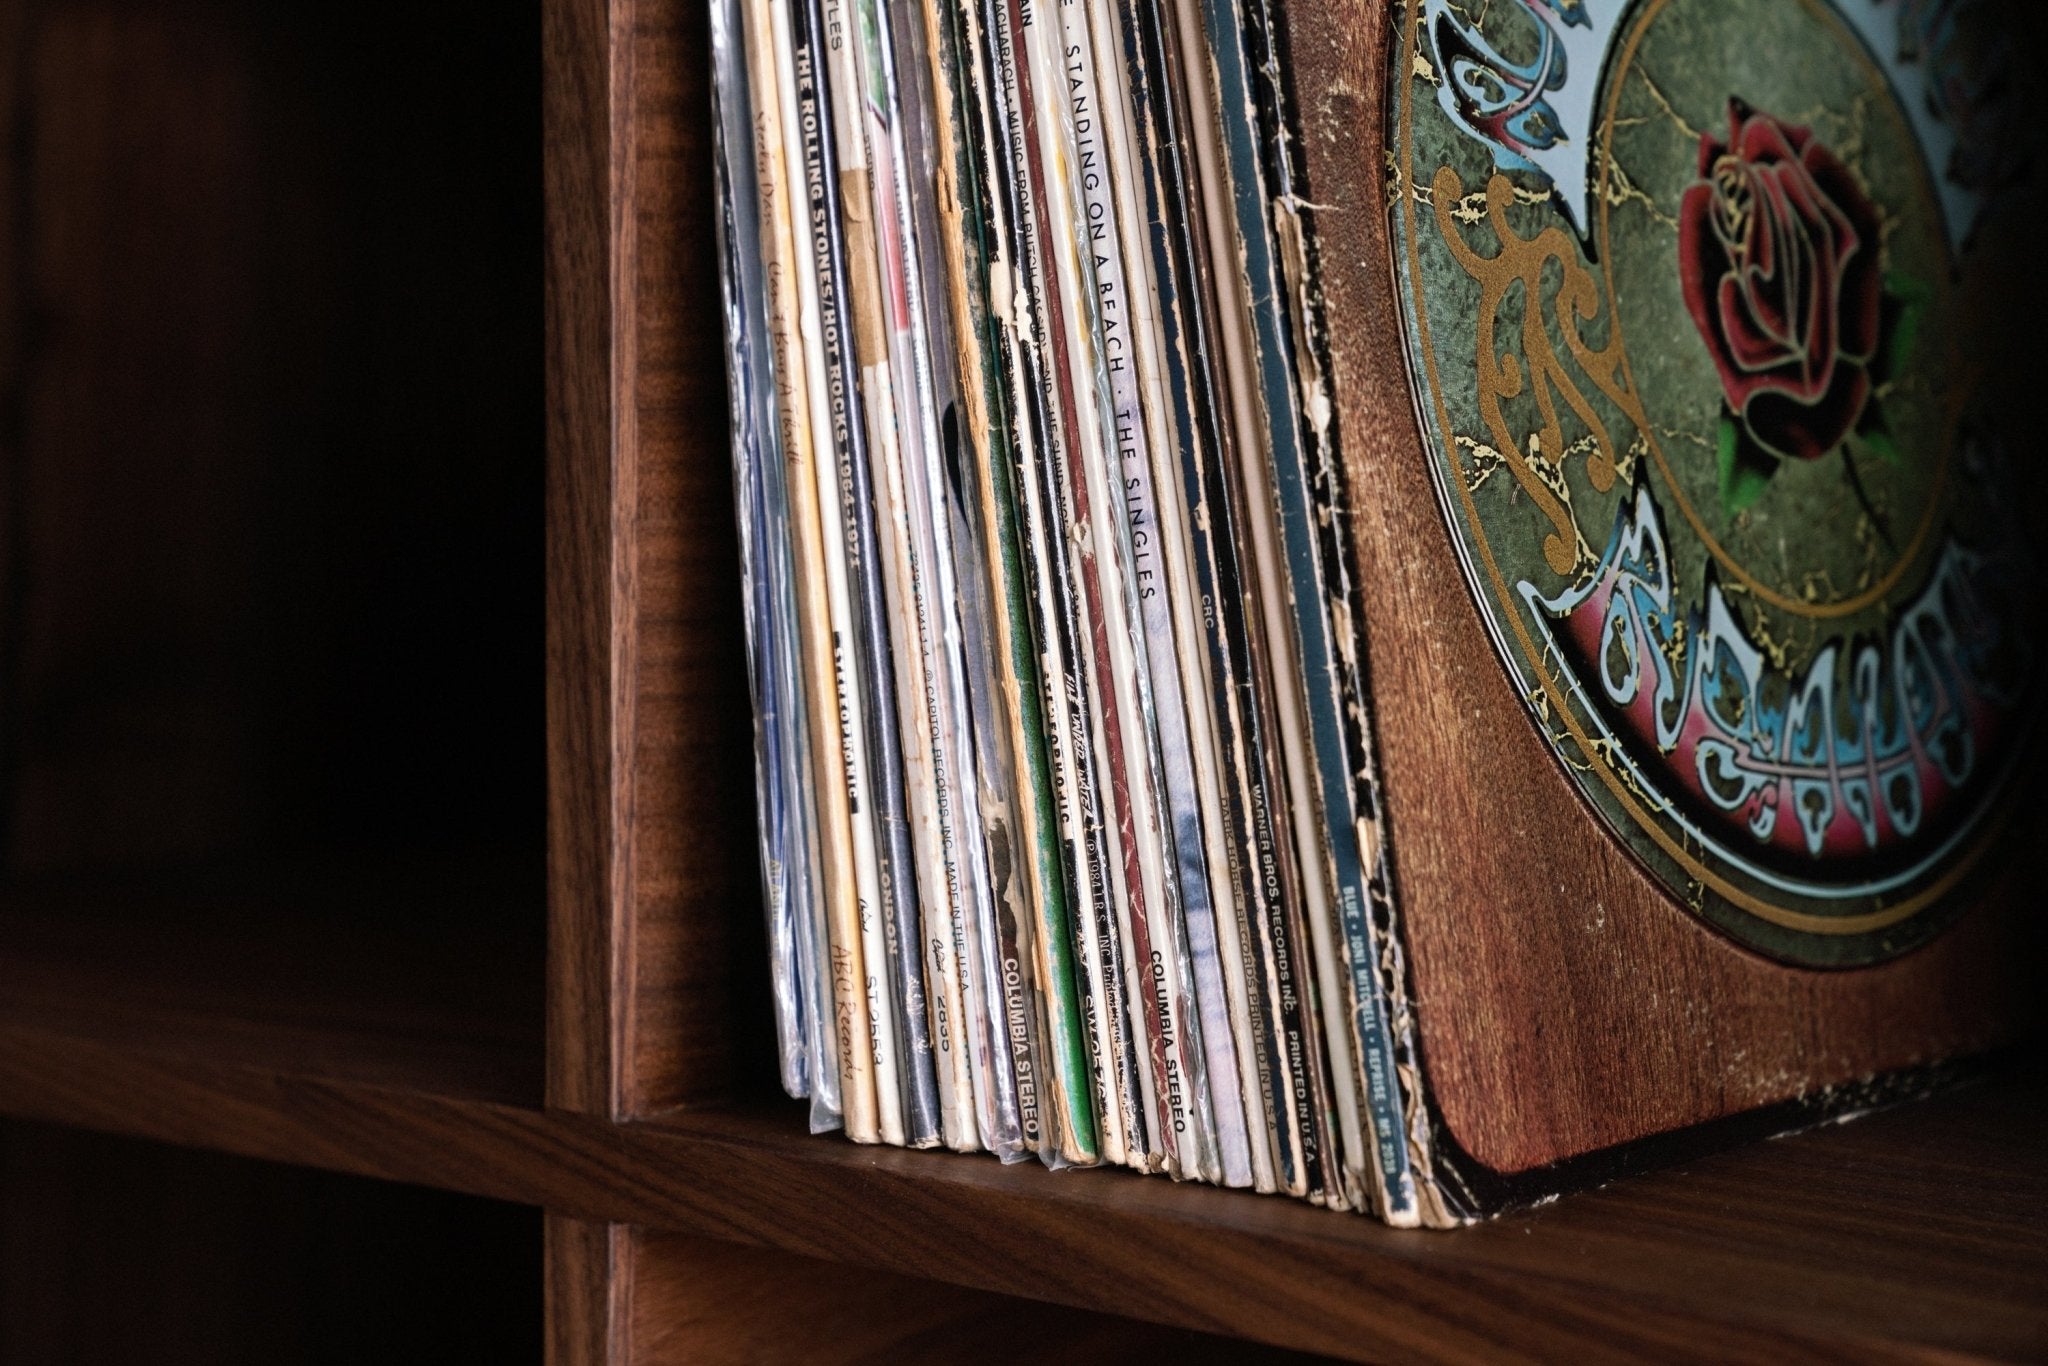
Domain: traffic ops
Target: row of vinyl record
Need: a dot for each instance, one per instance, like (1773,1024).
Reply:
(1070,828)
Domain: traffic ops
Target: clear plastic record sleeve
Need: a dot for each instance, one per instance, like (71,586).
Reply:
(781,753)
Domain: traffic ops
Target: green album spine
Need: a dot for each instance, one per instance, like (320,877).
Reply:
(985,447)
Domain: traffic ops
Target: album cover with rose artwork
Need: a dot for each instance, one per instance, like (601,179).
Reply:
(1691,555)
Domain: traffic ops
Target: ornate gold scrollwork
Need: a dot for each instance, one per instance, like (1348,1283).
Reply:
(1521,261)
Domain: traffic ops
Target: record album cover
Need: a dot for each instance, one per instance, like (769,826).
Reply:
(1671,353)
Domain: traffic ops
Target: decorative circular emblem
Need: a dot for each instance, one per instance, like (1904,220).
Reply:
(1702,332)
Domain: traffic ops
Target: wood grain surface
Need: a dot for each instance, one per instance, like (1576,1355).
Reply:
(1910,1231)
(587,707)
(588,1289)
(710,1303)
(407,975)
(1565,1003)
(649,737)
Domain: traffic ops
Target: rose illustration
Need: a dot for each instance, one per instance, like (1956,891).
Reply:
(1778,255)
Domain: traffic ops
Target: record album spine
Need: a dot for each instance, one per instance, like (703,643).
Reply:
(1301,1154)
(948,963)
(946,831)
(1364,1084)
(883,862)
(1052,43)
(825,611)
(947,947)
(1372,951)
(1018,788)
(1110,174)
(1029,303)
(1174,354)
(1179,445)
(923,354)
(1208,460)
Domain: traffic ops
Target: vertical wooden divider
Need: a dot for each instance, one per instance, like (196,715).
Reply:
(588,1286)
(586,876)
(651,862)
(695,961)
(650,856)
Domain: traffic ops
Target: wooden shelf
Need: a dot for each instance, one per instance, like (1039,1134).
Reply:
(1801,1242)
(321,456)
(1913,1230)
